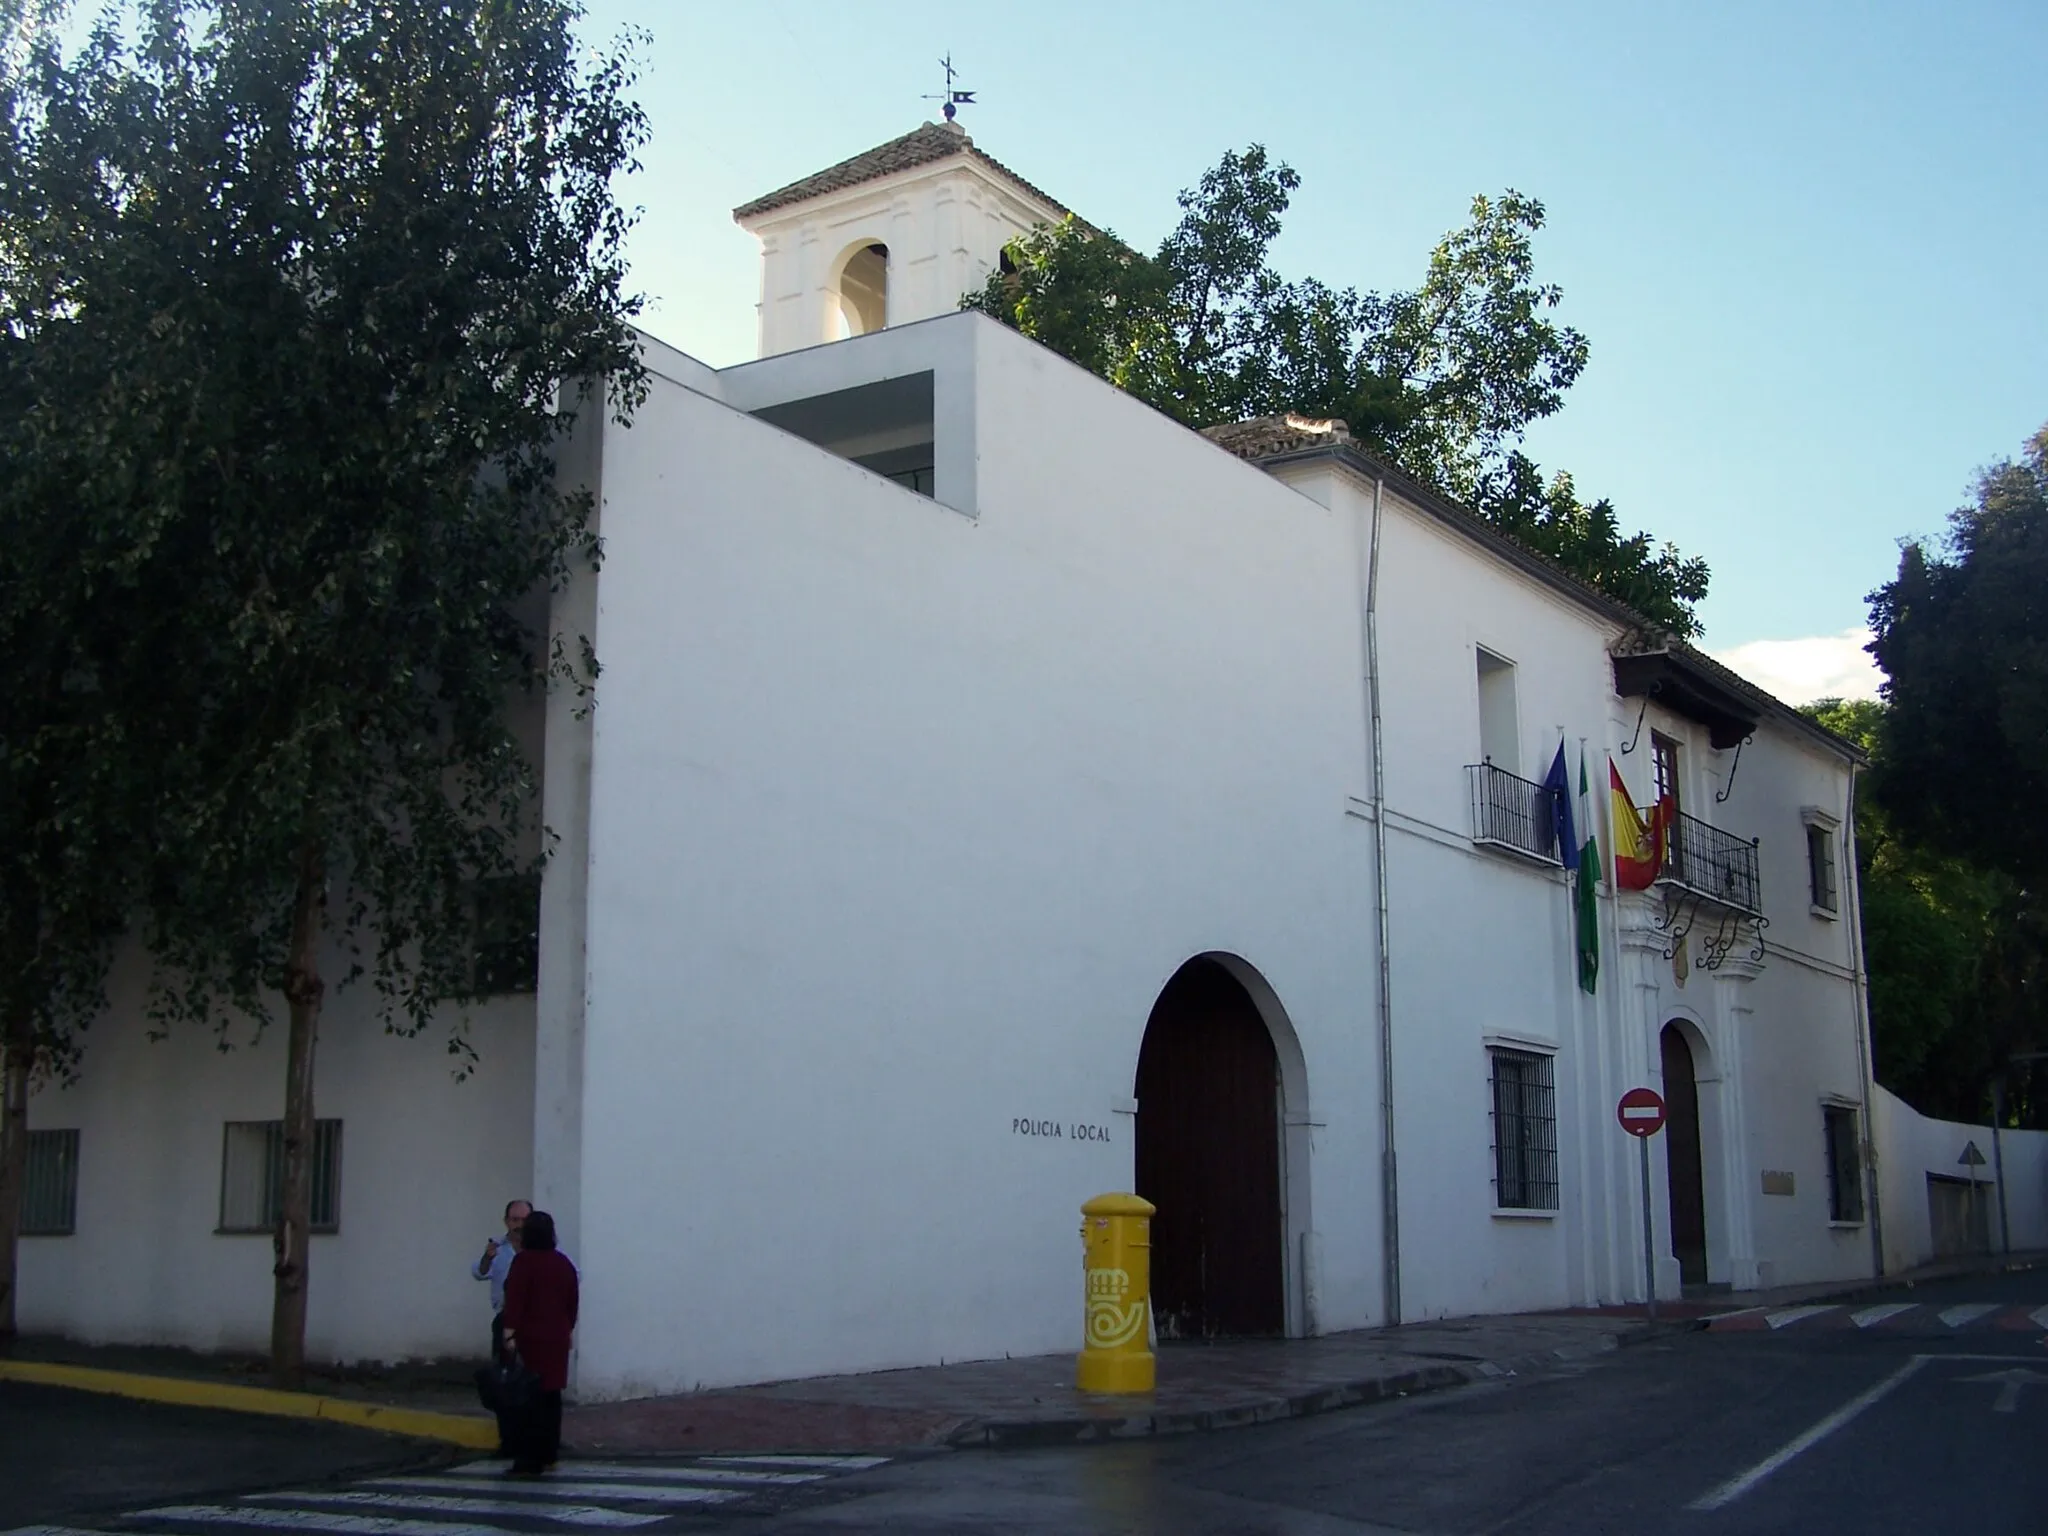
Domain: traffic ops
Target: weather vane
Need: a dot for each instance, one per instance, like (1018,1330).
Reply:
(952,100)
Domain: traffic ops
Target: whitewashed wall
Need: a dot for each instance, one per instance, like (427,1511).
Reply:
(427,1165)
(1910,1146)
(901,820)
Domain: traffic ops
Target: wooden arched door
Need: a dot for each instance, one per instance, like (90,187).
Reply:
(1208,1156)
(1682,1157)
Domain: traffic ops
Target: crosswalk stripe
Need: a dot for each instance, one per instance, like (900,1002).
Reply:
(611,1471)
(1870,1316)
(2041,1319)
(1956,1317)
(846,1463)
(427,1503)
(547,1488)
(1785,1316)
(311,1520)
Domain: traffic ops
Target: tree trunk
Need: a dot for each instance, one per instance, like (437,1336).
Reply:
(303,990)
(17,1058)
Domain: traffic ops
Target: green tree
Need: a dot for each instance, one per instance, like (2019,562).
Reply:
(1962,634)
(337,270)
(1953,951)
(1442,380)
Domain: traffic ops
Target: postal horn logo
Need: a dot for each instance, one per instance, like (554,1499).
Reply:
(1111,1322)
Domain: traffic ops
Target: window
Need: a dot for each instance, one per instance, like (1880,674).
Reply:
(1821,888)
(507,917)
(252,1176)
(49,1201)
(1664,753)
(1524,1131)
(1498,731)
(1845,1163)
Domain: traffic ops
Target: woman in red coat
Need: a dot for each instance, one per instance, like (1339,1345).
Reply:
(540,1316)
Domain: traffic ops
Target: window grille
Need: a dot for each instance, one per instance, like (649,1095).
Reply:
(1524,1131)
(1820,867)
(1845,1166)
(252,1176)
(49,1198)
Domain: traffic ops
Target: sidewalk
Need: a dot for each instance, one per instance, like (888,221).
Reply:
(1033,1401)
(1024,1401)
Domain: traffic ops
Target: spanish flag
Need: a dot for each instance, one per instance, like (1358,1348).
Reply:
(1638,844)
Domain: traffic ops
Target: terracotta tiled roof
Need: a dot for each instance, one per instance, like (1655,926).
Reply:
(1261,436)
(922,146)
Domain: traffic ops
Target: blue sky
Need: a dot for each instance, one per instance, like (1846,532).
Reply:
(1806,242)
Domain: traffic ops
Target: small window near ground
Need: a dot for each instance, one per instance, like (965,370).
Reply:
(1820,866)
(49,1198)
(252,1176)
(1845,1164)
(1524,1131)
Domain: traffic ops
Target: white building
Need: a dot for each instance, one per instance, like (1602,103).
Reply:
(997,795)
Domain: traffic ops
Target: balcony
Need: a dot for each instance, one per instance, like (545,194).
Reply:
(1714,864)
(1512,813)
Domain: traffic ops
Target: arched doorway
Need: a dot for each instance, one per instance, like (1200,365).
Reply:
(1682,1157)
(1208,1156)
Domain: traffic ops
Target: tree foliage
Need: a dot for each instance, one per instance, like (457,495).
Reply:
(1441,380)
(300,292)
(1962,635)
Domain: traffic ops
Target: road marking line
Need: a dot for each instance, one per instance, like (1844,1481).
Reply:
(625,1473)
(1784,1317)
(849,1463)
(1956,1317)
(571,1514)
(1870,1316)
(2040,1319)
(1737,1486)
(542,1488)
(312,1520)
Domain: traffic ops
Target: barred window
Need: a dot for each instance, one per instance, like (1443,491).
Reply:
(1820,866)
(252,1176)
(1524,1131)
(49,1200)
(1845,1164)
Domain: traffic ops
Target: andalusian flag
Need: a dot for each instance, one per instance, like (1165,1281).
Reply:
(1638,845)
(1584,908)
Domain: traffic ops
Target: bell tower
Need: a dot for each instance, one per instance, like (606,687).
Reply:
(897,234)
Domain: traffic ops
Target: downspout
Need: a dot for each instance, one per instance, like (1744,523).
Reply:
(1390,1182)
(1861,984)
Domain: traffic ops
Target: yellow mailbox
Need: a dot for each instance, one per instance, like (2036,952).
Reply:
(1116,1249)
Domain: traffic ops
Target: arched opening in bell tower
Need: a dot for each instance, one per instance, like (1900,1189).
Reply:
(861,291)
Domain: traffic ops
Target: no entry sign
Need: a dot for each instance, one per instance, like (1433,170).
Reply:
(1641,1112)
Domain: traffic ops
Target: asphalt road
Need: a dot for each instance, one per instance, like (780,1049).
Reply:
(1919,1412)
(70,1457)
(1628,1443)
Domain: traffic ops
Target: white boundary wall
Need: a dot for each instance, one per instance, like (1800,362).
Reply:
(1910,1147)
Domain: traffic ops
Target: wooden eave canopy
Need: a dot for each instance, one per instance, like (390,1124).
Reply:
(1684,687)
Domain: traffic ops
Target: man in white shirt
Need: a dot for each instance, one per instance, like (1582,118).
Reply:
(496,1263)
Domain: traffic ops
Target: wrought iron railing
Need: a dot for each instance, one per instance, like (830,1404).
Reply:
(1718,865)
(1512,812)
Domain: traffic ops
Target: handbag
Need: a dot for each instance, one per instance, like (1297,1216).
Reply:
(507,1386)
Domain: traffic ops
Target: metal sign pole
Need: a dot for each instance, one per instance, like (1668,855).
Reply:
(1649,1246)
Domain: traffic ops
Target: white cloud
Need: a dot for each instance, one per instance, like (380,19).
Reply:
(1817,667)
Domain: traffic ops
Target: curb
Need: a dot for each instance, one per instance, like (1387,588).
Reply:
(471,1432)
(1075,1429)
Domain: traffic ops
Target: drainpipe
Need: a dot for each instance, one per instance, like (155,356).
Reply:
(1854,882)
(1390,1183)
